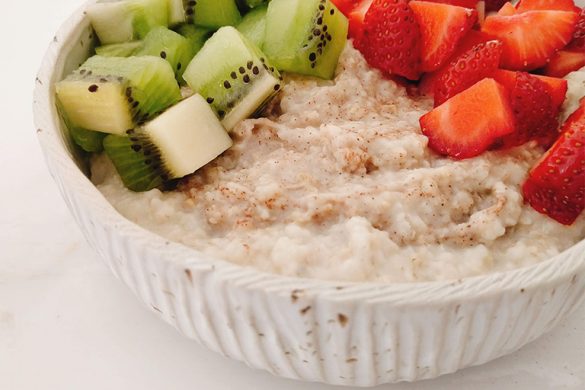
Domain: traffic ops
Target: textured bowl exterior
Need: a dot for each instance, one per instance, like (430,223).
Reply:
(343,334)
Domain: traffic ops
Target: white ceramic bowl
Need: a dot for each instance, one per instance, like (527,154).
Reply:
(338,333)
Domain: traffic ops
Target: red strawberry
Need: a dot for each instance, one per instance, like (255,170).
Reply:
(346,6)
(534,111)
(557,88)
(391,39)
(578,42)
(442,28)
(458,3)
(507,10)
(546,5)
(565,62)
(467,124)
(531,38)
(356,21)
(493,5)
(556,185)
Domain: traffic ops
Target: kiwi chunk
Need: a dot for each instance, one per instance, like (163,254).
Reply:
(207,13)
(196,36)
(177,143)
(305,36)
(128,20)
(125,49)
(168,45)
(253,25)
(233,75)
(113,94)
(253,3)
(90,141)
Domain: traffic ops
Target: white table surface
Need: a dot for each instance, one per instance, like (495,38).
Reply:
(67,323)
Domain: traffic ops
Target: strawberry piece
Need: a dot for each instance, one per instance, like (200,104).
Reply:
(507,10)
(468,123)
(464,71)
(442,27)
(346,6)
(525,46)
(557,88)
(493,5)
(556,185)
(546,5)
(565,62)
(578,42)
(458,3)
(356,18)
(391,39)
(533,110)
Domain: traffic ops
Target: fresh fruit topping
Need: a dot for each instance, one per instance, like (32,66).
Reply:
(253,25)
(356,21)
(211,13)
(534,112)
(391,39)
(309,43)
(493,5)
(468,123)
(458,3)
(464,71)
(346,6)
(578,42)
(556,185)
(233,75)
(565,62)
(176,144)
(546,5)
(525,46)
(507,10)
(442,27)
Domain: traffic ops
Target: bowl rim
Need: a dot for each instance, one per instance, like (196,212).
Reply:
(561,267)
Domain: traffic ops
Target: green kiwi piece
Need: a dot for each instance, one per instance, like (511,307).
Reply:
(176,144)
(127,20)
(207,13)
(90,141)
(253,3)
(305,36)
(168,45)
(196,36)
(113,94)
(233,75)
(125,49)
(253,25)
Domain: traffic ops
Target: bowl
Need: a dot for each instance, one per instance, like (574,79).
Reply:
(362,334)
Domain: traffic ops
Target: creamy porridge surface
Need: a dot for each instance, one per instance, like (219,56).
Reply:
(338,183)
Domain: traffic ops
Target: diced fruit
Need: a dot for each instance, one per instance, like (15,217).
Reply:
(113,94)
(458,3)
(170,46)
(305,36)
(206,13)
(124,21)
(557,88)
(391,39)
(233,75)
(546,5)
(556,185)
(565,62)
(253,25)
(507,10)
(534,113)
(527,47)
(196,37)
(357,18)
(468,123)
(578,42)
(464,71)
(253,3)
(442,27)
(125,49)
(176,144)
(346,6)
(493,5)
(90,141)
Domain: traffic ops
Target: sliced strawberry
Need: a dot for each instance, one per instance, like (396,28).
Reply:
(346,6)
(556,185)
(557,88)
(578,42)
(391,38)
(565,62)
(546,5)
(468,123)
(464,71)
(507,10)
(458,3)
(493,5)
(356,21)
(531,38)
(442,27)
(533,110)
